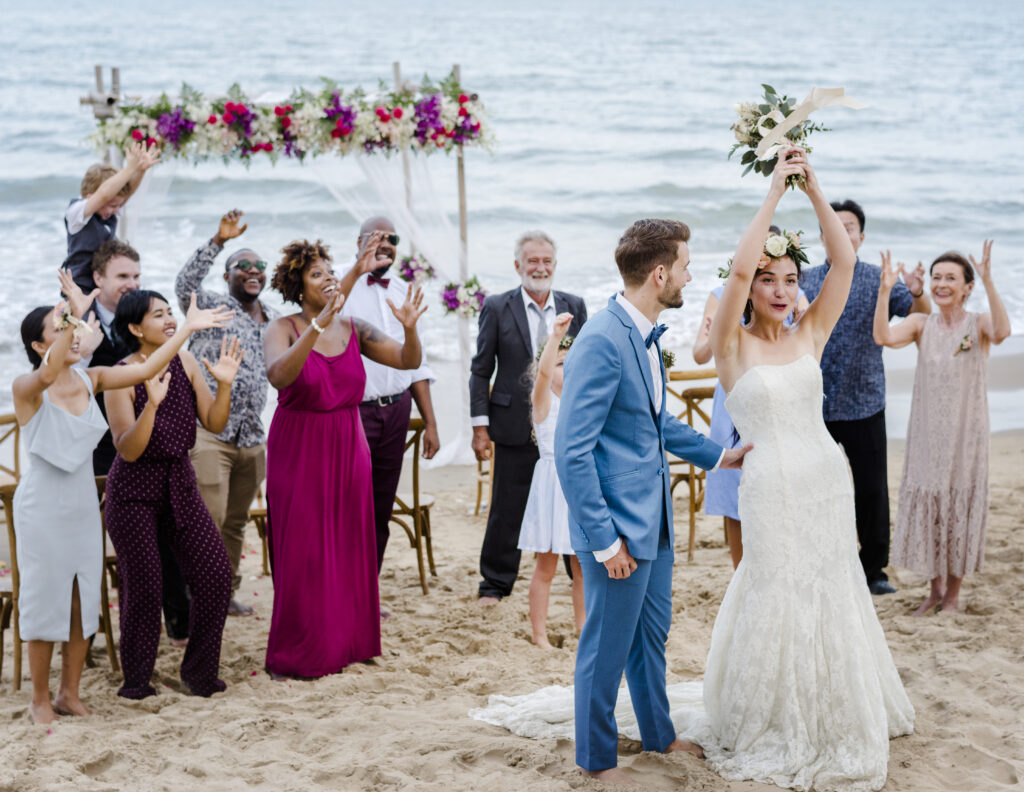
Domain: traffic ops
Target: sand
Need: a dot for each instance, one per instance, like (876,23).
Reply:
(400,722)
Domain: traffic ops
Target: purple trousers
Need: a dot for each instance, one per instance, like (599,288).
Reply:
(386,429)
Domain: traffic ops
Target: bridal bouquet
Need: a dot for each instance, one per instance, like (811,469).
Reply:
(415,270)
(465,299)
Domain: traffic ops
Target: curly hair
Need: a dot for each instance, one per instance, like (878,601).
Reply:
(298,257)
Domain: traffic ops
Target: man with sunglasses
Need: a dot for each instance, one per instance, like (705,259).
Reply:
(230,466)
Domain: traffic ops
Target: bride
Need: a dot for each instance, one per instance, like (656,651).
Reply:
(800,689)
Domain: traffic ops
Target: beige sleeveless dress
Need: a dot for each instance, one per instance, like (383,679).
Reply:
(943,503)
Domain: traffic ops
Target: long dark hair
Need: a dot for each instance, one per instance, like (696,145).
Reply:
(132,309)
(32,330)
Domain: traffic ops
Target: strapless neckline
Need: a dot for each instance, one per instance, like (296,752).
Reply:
(770,365)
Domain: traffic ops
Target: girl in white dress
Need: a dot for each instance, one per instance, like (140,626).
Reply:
(545,527)
(56,515)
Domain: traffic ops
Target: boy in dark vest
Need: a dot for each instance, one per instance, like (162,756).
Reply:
(92,219)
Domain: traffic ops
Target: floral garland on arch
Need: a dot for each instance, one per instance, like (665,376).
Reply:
(465,299)
(331,121)
(415,269)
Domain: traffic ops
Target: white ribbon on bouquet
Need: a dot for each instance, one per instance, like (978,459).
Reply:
(774,140)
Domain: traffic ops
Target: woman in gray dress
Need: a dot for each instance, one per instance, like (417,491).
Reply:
(60,544)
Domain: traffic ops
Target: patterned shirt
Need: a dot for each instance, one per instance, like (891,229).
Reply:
(851,365)
(249,390)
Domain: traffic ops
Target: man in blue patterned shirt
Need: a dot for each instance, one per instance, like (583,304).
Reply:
(854,384)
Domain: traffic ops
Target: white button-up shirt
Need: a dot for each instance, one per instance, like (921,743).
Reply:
(368,303)
(547,314)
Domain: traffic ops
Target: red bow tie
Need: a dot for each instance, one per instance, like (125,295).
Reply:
(373,279)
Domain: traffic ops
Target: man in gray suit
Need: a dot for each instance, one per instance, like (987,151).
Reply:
(512,326)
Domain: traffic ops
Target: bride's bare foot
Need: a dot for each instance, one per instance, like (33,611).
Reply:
(613,775)
(927,605)
(42,713)
(685,745)
(950,605)
(542,642)
(68,705)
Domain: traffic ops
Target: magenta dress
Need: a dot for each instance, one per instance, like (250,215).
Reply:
(320,521)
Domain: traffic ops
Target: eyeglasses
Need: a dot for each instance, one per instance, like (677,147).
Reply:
(242,264)
(392,238)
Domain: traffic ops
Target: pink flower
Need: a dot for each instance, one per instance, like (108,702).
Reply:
(228,117)
(211,120)
(137,134)
(335,133)
(397,112)
(463,98)
(286,122)
(278,111)
(463,112)
(384,117)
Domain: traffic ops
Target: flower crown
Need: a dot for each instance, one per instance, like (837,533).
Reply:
(776,246)
(564,343)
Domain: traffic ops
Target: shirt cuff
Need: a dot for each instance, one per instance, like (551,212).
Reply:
(604,555)
(480,420)
(719,462)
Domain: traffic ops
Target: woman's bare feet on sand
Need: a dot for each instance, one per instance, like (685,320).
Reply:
(42,713)
(542,642)
(927,605)
(613,775)
(179,643)
(688,747)
(68,705)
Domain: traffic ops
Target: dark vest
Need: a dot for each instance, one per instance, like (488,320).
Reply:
(82,245)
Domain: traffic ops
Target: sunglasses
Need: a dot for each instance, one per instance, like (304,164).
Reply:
(392,238)
(242,264)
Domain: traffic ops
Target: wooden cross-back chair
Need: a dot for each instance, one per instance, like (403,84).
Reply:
(696,411)
(9,594)
(10,432)
(412,508)
(484,479)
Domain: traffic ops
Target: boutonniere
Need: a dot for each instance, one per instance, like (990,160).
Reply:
(668,358)
(965,345)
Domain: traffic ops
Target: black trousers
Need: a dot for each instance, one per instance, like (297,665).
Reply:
(863,441)
(512,473)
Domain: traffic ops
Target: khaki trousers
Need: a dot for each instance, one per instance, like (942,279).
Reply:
(229,478)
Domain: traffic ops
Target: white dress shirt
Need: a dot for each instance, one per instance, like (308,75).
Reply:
(368,303)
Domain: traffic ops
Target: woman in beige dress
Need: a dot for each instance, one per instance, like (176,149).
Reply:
(943,502)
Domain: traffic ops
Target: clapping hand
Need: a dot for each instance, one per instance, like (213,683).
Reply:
(889,275)
(229,228)
(330,310)
(78,301)
(230,359)
(561,326)
(410,311)
(156,388)
(203,319)
(366,259)
(914,279)
(984,267)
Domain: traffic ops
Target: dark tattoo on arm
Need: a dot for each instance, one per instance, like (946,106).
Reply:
(368,334)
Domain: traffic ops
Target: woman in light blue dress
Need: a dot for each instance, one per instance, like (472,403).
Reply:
(56,515)
(721,492)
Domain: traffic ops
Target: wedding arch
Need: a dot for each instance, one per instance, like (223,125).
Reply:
(388,132)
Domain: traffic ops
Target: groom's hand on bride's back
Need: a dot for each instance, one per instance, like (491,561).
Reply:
(733,457)
(621,565)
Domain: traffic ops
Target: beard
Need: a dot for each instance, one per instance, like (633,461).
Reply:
(381,270)
(671,297)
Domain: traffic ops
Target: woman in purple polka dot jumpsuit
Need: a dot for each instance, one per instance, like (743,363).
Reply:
(151,490)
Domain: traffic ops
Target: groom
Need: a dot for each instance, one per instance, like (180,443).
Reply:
(610,445)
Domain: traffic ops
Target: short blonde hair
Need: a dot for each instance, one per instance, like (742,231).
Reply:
(96,175)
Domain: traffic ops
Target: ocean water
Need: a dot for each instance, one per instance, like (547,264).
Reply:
(603,113)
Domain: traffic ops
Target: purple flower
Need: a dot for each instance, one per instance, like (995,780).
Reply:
(427,113)
(174,127)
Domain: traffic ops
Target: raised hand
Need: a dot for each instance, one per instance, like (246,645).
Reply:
(204,319)
(88,343)
(913,279)
(78,302)
(156,388)
(889,275)
(809,184)
(229,228)
(366,259)
(791,163)
(141,158)
(230,359)
(410,311)
(984,267)
(329,311)
(561,326)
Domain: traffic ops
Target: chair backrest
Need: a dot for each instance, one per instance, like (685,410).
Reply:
(7,496)
(416,427)
(691,397)
(10,432)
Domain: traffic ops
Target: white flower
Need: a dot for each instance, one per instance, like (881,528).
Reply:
(776,246)
(794,239)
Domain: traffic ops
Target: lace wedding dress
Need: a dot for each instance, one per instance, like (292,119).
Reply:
(800,688)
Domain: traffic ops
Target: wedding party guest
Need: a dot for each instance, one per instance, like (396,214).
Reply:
(545,529)
(721,487)
(943,503)
(854,376)
(800,687)
(387,400)
(319,474)
(92,219)
(231,466)
(151,491)
(116,268)
(512,325)
(57,519)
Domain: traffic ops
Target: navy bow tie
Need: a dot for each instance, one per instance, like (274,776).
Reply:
(655,334)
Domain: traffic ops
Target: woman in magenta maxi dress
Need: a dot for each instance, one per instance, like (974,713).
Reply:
(319,487)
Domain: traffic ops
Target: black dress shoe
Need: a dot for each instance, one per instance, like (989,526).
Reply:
(881,587)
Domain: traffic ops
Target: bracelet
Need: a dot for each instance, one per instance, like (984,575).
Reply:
(918,295)
(315,326)
(66,319)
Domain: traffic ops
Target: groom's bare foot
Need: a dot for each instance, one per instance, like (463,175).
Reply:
(613,775)
(487,602)
(685,745)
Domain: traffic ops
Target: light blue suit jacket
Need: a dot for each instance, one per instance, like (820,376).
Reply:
(610,443)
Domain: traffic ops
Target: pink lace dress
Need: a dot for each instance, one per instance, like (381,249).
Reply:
(943,503)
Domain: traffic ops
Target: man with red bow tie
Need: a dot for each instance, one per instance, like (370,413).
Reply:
(387,400)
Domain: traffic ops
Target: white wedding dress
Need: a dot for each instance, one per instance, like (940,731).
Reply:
(800,688)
